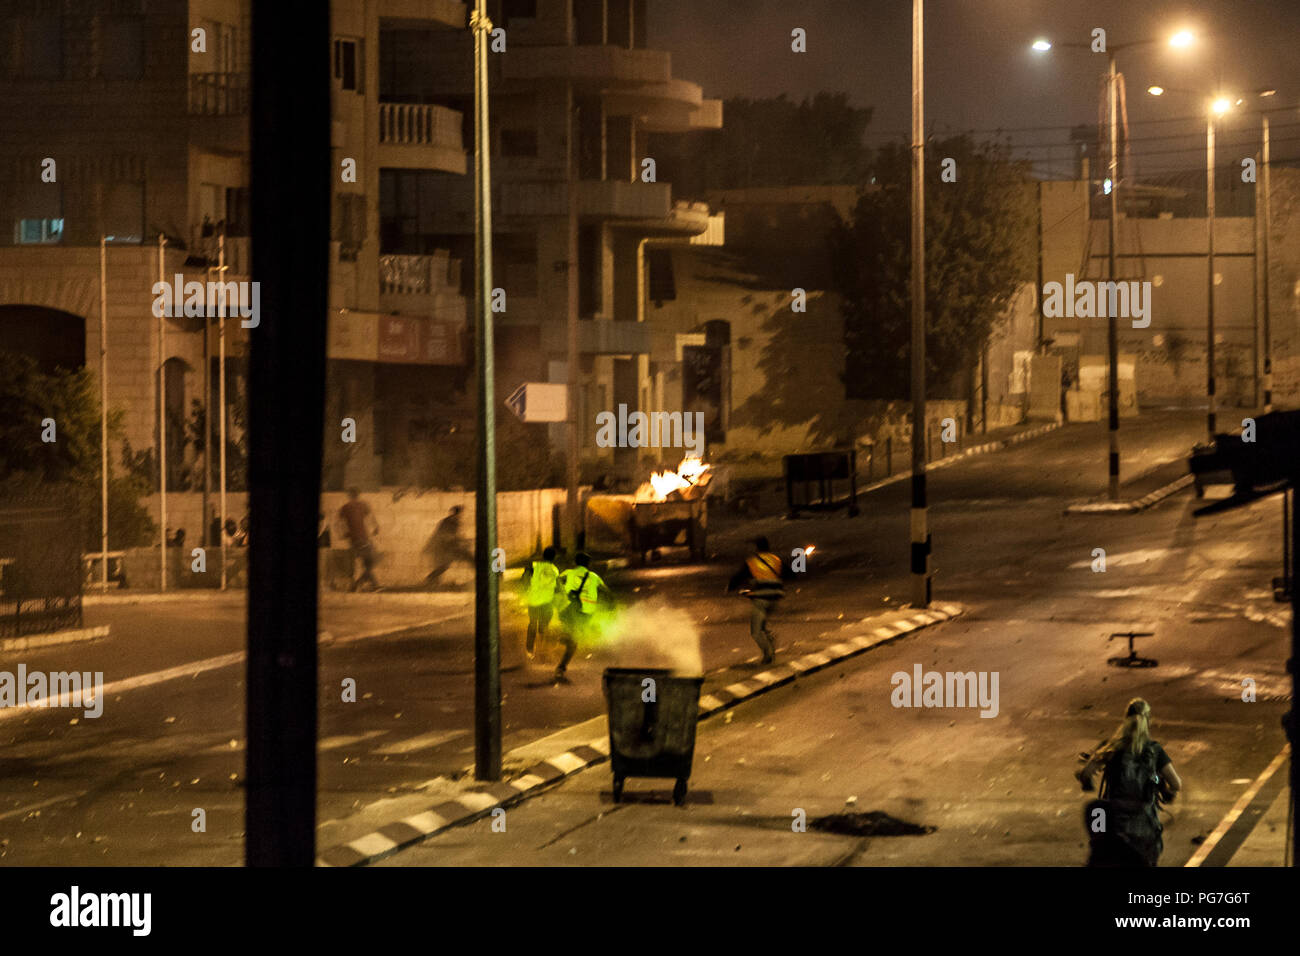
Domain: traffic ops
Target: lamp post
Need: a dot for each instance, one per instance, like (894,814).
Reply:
(919,524)
(1178,40)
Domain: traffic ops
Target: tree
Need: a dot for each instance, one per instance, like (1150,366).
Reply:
(30,466)
(770,142)
(978,248)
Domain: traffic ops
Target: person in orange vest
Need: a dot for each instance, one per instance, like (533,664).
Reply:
(760,580)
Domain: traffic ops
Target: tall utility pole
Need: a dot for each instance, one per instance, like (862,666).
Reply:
(487,644)
(920,529)
(221,389)
(1209,293)
(1268,219)
(162,425)
(1112,333)
(571,362)
(103,410)
(291,183)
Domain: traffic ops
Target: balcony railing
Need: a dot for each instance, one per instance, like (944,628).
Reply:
(419,124)
(218,94)
(419,275)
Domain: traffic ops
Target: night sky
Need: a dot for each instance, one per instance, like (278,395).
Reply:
(981,74)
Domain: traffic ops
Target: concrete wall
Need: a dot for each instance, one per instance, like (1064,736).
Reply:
(525,523)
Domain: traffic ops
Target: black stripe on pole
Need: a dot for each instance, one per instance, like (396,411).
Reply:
(291,180)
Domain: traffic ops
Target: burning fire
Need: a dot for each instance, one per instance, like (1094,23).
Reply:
(691,474)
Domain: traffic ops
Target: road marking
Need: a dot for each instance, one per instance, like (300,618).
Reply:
(198,667)
(422,742)
(1238,809)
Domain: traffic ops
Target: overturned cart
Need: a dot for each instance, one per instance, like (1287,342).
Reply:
(652,718)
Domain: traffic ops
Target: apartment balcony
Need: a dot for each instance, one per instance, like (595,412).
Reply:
(219,111)
(398,339)
(618,201)
(422,14)
(420,284)
(421,136)
(677,106)
(588,66)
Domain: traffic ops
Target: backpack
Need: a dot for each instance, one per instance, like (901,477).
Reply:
(1129,786)
(575,596)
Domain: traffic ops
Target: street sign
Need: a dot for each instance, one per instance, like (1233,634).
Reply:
(539,402)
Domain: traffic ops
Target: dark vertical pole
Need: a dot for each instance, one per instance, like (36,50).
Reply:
(1209,293)
(1293,665)
(1112,332)
(487,644)
(290,210)
(1268,219)
(920,528)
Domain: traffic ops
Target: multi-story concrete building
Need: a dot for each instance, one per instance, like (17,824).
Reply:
(125,121)
(575,94)
(143,112)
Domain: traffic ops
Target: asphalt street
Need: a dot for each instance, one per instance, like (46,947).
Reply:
(124,788)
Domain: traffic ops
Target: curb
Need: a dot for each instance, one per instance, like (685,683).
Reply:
(965,453)
(1137,504)
(475,804)
(32,642)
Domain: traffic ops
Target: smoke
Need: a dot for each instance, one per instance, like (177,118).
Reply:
(654,634)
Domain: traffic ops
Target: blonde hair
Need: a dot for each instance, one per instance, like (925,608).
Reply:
(1134,733)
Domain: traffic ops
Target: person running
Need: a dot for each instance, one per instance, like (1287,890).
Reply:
(448,546)
(581,588)
(540,578)
(760,580)
(1137,774)
(360,525)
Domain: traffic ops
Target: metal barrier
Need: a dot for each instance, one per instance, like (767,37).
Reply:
(40,566)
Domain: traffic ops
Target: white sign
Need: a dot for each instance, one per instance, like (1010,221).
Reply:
(539,402)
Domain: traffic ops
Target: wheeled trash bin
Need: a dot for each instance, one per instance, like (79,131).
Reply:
(652,718)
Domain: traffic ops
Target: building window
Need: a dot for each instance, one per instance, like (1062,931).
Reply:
(121,48)
(518,10)
(659,265)
(347,64)
(349,224)
(589,283)
(519,142)
(28,231)
(514,265)
(40,48)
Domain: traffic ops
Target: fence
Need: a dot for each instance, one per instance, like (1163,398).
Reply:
(40,565)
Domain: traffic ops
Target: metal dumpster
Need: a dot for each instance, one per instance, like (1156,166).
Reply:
(652,718)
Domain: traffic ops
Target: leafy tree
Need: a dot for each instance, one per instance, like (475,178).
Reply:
(978,249)
(30,466)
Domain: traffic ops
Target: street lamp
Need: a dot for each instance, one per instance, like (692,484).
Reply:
(1182,39)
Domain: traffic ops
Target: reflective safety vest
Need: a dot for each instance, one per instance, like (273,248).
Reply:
(765,575)
(541,587)
(571,579)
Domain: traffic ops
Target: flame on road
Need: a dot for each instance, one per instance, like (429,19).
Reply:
(690,473)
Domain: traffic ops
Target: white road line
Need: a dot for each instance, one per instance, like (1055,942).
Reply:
(1238,809)
(198,667)
(422,742)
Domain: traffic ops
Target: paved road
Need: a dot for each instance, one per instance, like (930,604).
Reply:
(123,788)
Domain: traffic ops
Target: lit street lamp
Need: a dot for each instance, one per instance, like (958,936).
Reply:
(1181,39)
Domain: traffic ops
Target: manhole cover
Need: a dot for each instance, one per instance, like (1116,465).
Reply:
(872,823)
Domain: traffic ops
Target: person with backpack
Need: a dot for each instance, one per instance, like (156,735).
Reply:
(760,579)
(581,588)
(540,579)
(1124,823)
